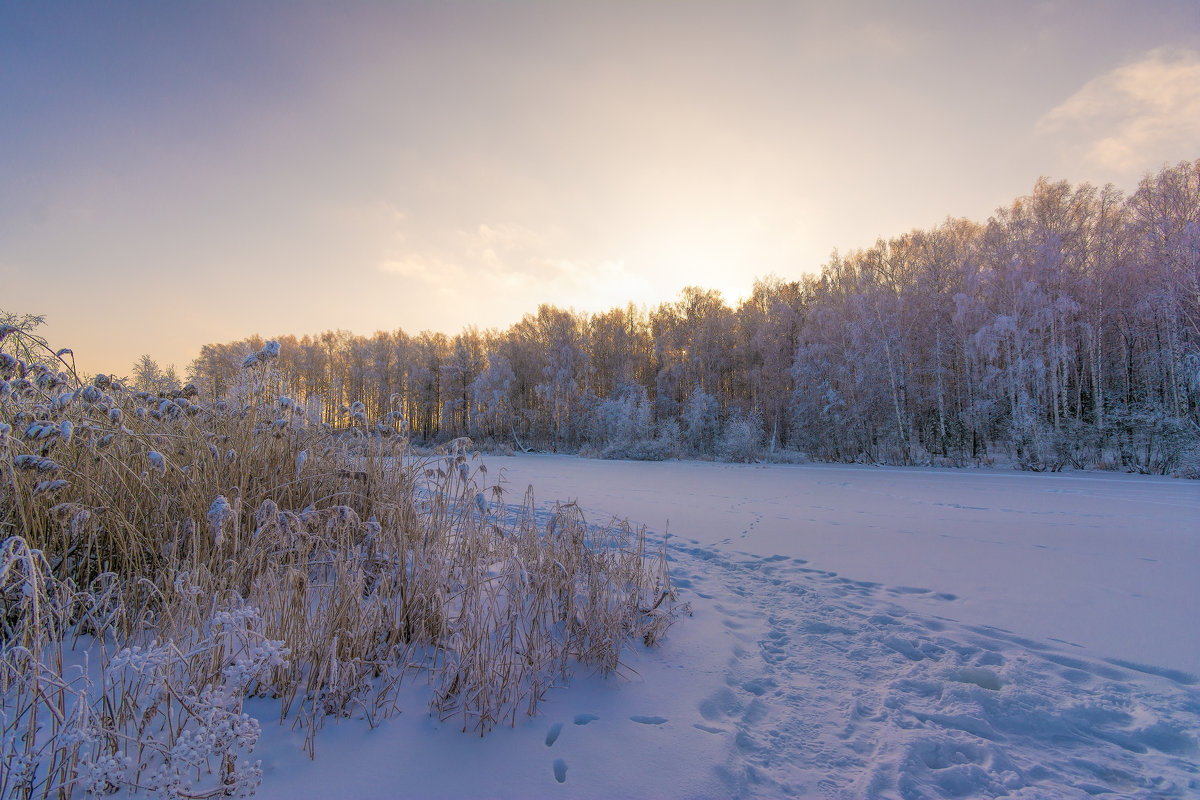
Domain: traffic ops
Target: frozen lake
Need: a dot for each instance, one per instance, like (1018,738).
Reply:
(857,632)
(1106,562)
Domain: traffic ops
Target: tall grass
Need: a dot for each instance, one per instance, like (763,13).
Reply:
(163,560)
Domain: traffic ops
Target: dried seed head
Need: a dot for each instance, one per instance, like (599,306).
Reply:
(219,513)
(50,487)
(267,511)
(269,351)
(63,511)
(63,400)
(32,462)
(40,430)
(342,516)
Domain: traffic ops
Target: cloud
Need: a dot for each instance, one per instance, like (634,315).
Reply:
(508,265)
(405,267)
(431,272)
(1135,117)
(486,252)
(506,235)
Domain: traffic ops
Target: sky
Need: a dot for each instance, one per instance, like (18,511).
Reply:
(177,174)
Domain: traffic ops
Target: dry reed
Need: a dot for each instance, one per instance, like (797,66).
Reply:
(164,559)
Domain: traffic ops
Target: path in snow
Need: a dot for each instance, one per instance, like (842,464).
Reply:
(835,689)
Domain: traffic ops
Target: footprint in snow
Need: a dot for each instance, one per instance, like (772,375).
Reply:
(552,734)
(560,770)
(644,720)
(584,719)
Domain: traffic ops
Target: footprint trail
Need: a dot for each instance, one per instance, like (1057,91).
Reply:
(836,690)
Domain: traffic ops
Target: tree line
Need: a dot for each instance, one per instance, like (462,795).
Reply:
(1064,330)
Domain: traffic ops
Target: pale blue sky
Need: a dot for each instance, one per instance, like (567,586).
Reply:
(173,174)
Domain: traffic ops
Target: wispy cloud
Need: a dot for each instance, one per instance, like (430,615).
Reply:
(507,262)
(411,267)
(442,250)
(1143,112)
(519,263)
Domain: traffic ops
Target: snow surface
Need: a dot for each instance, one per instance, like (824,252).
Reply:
(856,632)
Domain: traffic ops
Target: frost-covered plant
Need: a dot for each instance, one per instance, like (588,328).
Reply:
(702,419)
(166,717)
(198,553)
(625,427)
(741,440)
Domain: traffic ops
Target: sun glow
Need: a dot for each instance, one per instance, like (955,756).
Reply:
(725,258)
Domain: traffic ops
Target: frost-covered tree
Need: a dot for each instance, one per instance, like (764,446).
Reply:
(147,376)
(492,392)
(701,420)
(1064,330)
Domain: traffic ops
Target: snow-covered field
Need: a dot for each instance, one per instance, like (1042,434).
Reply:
(856,632)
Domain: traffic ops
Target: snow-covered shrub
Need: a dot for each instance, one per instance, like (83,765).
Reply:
(741,440)
(663,445)
(1074,444)
(702,419)
(622,418)
(623,427)
(1188,465)
(1151,441)
(1031,438)
(787,456)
